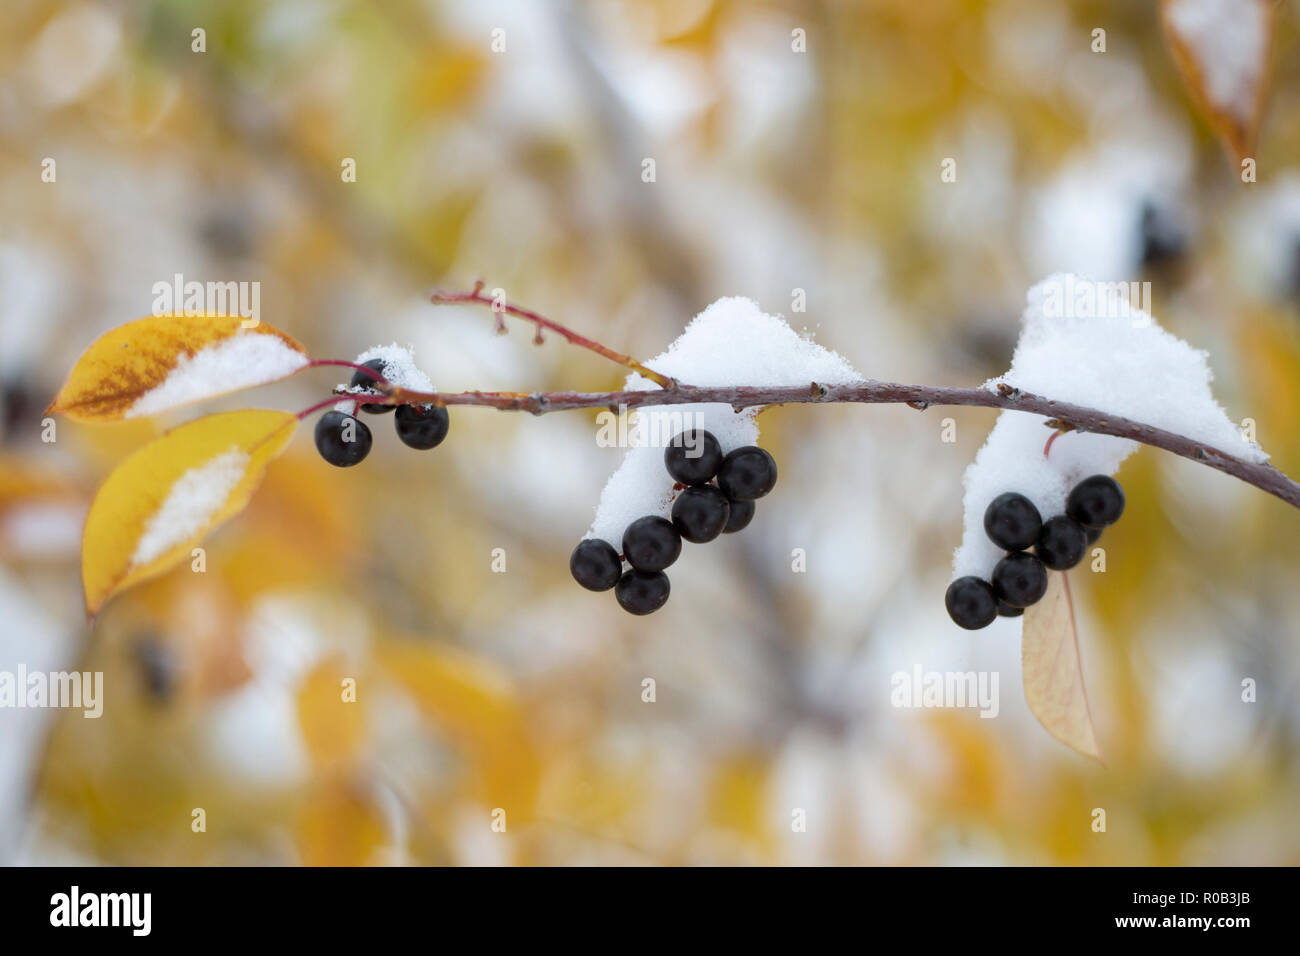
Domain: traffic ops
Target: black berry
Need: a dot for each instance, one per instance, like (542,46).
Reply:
(595,565)
(971,603)
(651,543)
(1019,579)
(1096,502)
(421,426)
(693,457)
(361,380)
(741,514)
(1092,534)
(700,514)
(642,592)
(1061,543)
(747,473)
(1006,610)
(1012,522)
(341,439)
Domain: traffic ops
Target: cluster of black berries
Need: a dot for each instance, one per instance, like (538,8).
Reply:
(701,512)
(1020,579)
(344,440)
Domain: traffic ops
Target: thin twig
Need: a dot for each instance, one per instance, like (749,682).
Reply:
(476,297)
(1077,417)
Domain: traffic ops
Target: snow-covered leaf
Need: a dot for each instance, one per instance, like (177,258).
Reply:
(162,500)
(164,361)
(1052,673)
(1221,47)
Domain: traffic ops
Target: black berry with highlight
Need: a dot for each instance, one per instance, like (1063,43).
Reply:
(341,439)
(1012,522)
(642,592)
(595,565)
(700,514)
(971,603)
(693,457)
(421,426)
(747,473)
(651,543)
(741,514)
(1061,543)
(1019,579)
(1096,502)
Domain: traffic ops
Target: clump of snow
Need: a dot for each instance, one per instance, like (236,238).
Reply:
(1228,39)
(1084,343)
(244,360)
(732,342)
(190,504)
(399,368)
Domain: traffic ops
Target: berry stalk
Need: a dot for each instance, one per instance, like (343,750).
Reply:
(476,297)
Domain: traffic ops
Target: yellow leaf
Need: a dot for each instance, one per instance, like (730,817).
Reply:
(476,706)
(1226,77)
(161,362)
(332,726)
(162,500)
(340,825)
(1052,673)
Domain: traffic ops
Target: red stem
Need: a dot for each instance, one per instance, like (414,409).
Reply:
(477,297)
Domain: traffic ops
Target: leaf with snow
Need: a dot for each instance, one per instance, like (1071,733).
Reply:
(730,342)
(1222,48)
(1052,673)
(166,497)
(165,361)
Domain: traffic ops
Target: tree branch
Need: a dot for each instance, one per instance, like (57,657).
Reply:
(1061,414)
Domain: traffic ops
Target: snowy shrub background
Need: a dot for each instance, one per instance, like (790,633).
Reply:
(791,183)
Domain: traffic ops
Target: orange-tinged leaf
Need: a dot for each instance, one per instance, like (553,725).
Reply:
(1222,50)
(162,500)
(1052,673)
(162,362)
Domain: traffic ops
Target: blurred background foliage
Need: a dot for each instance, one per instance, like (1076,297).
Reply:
(776,171)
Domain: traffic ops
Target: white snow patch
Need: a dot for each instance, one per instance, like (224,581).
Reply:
(1087,218)
(1266,238)
(732,342)
(1115,359)
(195,497)
(399,368)
(1229,41)
(244,360)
